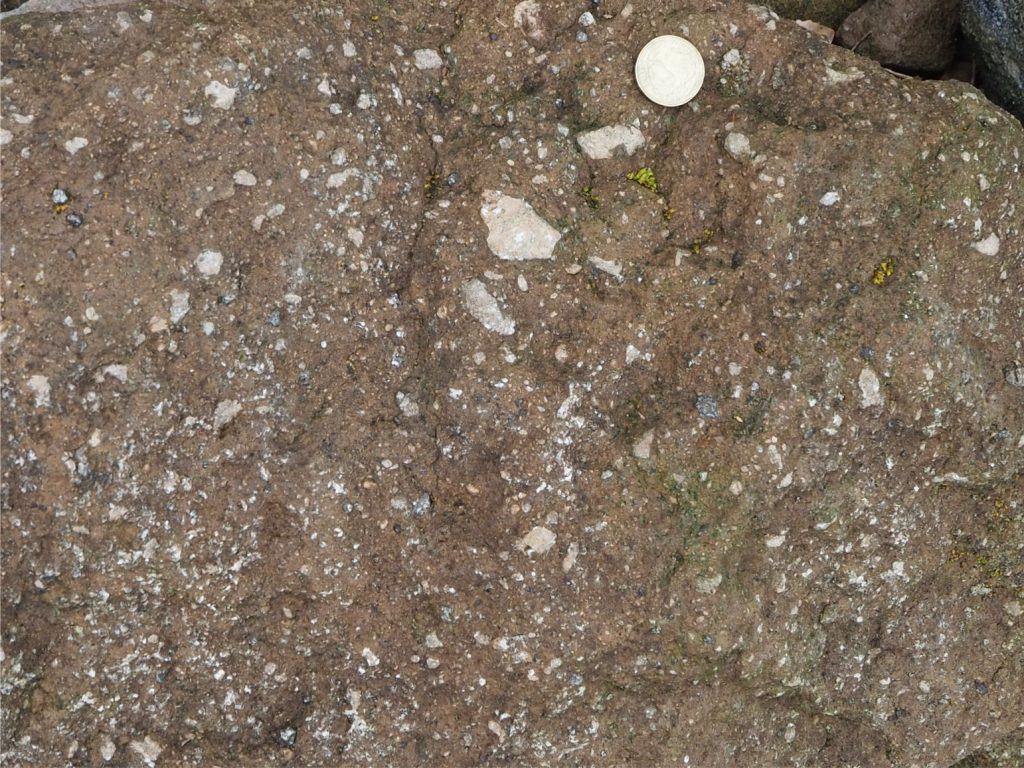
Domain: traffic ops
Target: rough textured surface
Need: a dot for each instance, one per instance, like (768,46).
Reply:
(917,35)
(753,497)
(995,29)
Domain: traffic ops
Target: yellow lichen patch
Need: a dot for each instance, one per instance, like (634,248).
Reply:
(883,271)
(645,178)
(587,193)
(668,212)
(705,238)
(432,182)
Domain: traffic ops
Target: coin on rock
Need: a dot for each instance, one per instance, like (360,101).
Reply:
(669,70)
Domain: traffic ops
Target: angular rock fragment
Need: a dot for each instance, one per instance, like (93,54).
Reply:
(484,307)
(603,143)
(515,232)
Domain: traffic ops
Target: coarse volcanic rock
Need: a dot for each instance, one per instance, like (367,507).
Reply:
(743,488)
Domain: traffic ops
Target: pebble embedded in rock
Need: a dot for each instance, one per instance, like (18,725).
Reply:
(989,246)
(571,554)
(527,17)
(612,268)
(484,307)
(287,735)
(427,58)
(179,305)
(421,506)
(515,232)
(244,178)
(107,749)
(538,541)
(707,407)
(73,146)
(148,749)
(407,405)
(870,389)
(117,371)
(39,386)
(708,585)
(225,413)
(829,199)
(738,145)
(221,95)
(642,447)
(208,263)
(604,143)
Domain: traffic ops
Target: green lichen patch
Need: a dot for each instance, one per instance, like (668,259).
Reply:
(645,178)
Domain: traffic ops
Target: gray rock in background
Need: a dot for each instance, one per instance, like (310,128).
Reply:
(916,35)
(829,12)
(995,29)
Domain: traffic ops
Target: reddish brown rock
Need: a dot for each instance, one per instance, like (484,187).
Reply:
(741,489)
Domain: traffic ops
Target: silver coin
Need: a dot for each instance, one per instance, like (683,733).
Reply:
(669,70)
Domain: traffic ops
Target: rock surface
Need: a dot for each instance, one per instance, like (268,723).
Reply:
(995,29)
(236,504)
